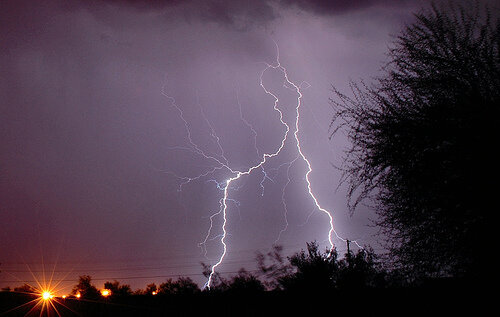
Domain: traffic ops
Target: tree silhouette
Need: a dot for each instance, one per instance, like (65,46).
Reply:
(273,266)
(118,290)
(245,283)
(422,138)
(361,270)
(25,288)
(313,271)
(182,286)
(85,288)
(150,288)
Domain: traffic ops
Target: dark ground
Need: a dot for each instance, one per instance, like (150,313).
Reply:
(424,301)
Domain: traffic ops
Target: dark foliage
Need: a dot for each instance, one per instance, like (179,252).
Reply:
(423,138)
(150,288)
(118,290)
(313,271)
(182,286)
(273,267)
(25,289)
(86,289)
(361,270)
(242,283)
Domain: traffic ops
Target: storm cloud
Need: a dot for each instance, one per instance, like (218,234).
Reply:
(239,14)
(93,153)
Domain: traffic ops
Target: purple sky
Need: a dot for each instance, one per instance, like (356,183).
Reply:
(89,145)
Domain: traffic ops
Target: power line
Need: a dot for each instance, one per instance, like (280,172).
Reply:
(195,257)
(131,277)
(136,268)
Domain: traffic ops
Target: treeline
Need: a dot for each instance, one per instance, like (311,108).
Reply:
(308,271)
(294,284)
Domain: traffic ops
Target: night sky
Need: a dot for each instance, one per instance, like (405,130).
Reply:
(92,150)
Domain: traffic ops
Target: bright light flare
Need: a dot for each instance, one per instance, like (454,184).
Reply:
(44,291)
(105,292)
(47,295)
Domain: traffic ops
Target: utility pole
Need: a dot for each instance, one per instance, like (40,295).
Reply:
(348,243)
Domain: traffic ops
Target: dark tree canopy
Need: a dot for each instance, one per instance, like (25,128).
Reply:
(313,271)
(118,290)
(181,286)
(85,288)
(423,137)
(244,283)
(150,288)
(25,288)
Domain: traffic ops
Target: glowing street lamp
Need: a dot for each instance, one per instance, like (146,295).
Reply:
(105,292)
(46,295)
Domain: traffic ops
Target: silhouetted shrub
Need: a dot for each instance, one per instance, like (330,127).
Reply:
(314,271)
(244,283)
(25,289)
(118,290)
(422,139)
(182,286)
(86,289)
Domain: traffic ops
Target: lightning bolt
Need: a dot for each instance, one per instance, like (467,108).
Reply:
(265,157)
(297,89)
(222,163)
(283,200)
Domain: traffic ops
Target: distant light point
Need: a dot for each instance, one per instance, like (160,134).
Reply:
(105,292)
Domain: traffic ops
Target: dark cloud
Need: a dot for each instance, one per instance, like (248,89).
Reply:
(239,14)
(235,14)
(140,4)
(88,142)
(332,7)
